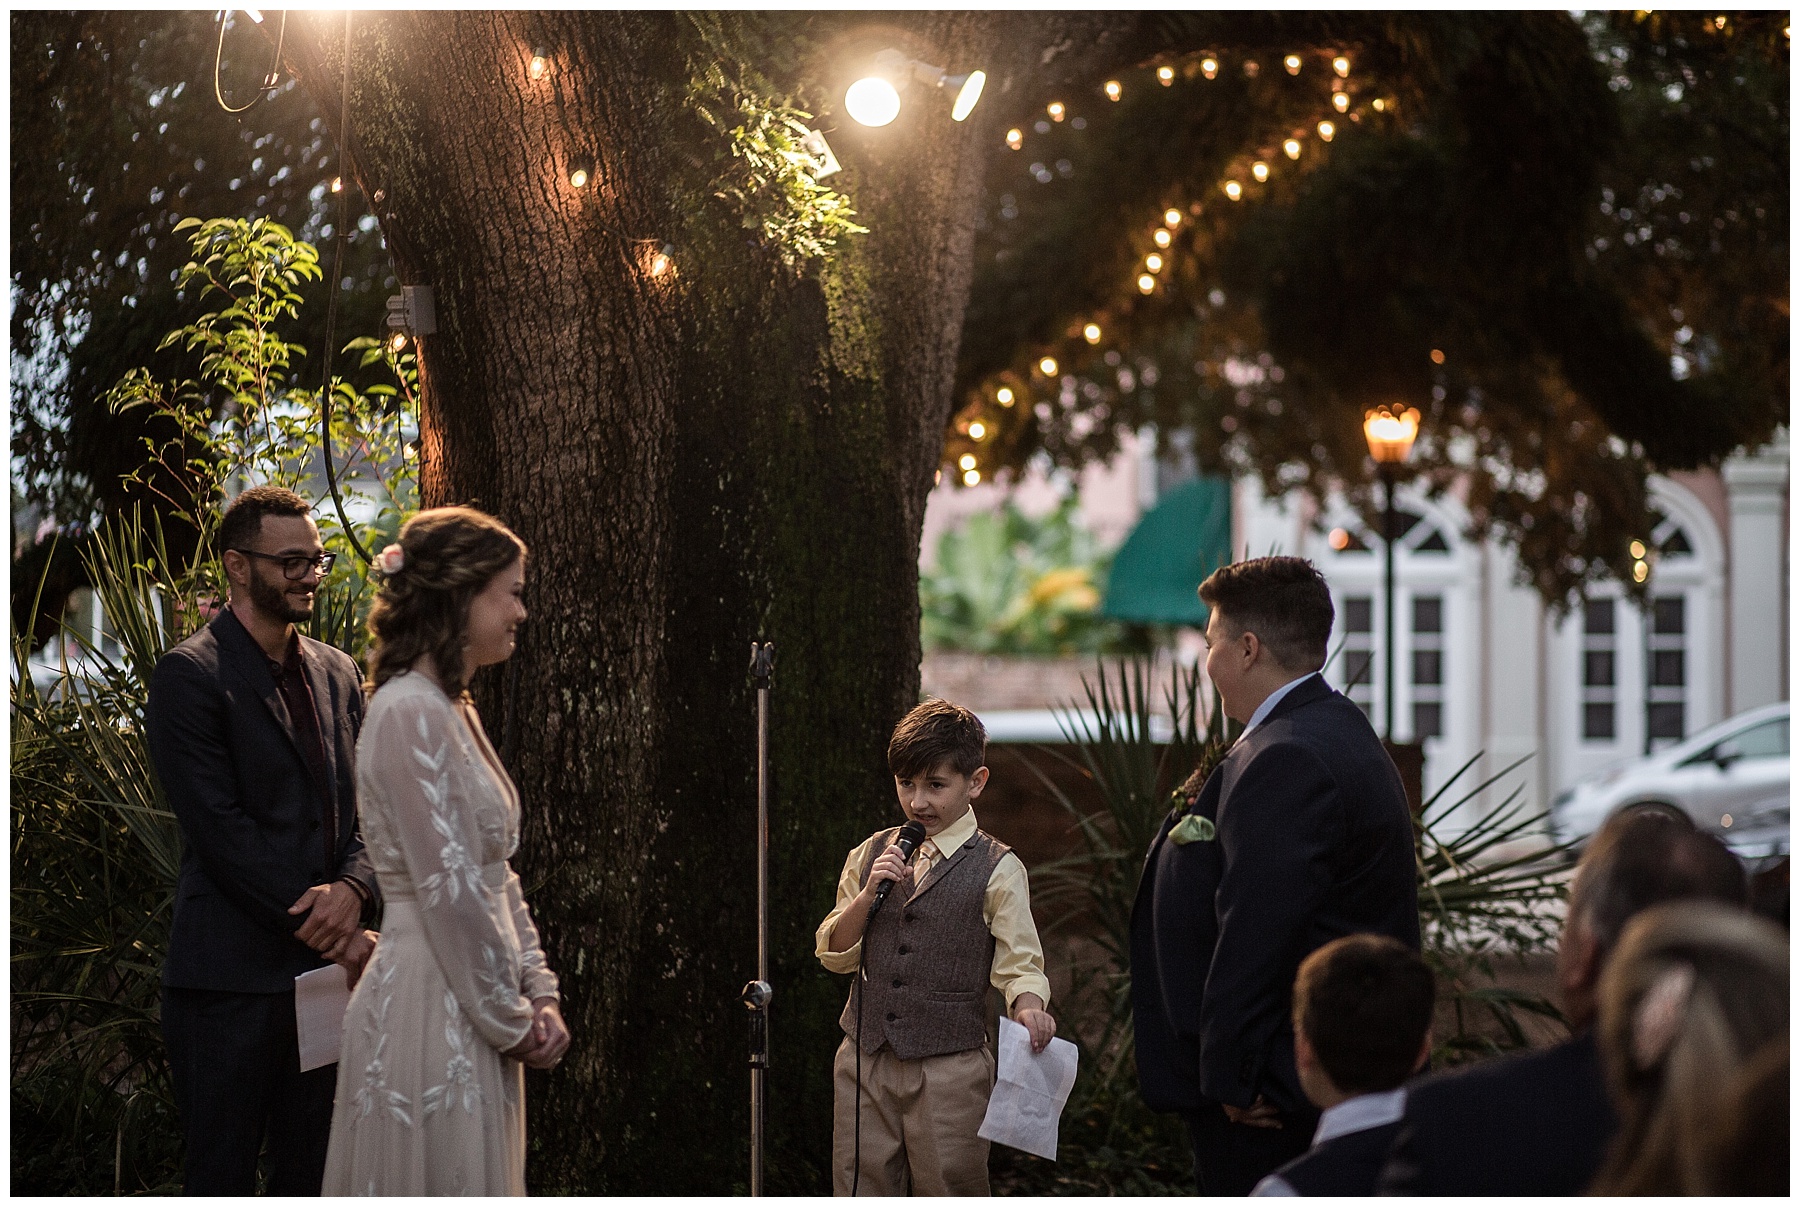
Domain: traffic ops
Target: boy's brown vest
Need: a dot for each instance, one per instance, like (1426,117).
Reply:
(927,957)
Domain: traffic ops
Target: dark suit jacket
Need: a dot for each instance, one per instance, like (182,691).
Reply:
(229,760)
(1315,841)
(1534,1124)
(1342,1167)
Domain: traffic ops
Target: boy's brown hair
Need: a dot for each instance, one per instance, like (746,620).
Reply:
(1364,1004)
(934,734)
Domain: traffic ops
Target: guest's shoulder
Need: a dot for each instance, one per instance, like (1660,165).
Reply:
(1485,1079)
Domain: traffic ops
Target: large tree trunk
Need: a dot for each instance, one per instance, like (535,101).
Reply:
(732,452)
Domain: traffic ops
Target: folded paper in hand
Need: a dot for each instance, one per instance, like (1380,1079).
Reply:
(320,999)
(1029,1092)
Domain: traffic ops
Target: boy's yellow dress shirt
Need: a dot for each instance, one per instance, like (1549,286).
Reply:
(1005,907)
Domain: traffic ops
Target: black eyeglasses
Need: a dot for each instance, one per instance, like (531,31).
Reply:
(294,568)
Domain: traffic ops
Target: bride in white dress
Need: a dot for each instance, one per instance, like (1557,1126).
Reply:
(457,997)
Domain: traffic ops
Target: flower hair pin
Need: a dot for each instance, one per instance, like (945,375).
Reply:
(1660,1013)
(392,560)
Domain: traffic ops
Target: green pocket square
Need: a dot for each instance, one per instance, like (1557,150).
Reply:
(1193,828)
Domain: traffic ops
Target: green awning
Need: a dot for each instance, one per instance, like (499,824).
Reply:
(1181,540)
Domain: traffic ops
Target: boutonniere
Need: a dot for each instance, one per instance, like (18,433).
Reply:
(1193,828)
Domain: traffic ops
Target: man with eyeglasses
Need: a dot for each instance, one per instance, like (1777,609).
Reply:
(252,728)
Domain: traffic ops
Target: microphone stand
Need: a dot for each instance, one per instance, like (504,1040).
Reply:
(757,993)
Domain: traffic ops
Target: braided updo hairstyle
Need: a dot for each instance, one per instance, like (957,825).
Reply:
(451,554)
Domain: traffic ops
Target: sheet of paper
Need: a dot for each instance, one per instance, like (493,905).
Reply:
(1029,1092)
(320,999)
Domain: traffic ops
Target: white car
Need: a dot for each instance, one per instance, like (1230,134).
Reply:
(1732,779)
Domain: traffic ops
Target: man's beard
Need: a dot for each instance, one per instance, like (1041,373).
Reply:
(272,599)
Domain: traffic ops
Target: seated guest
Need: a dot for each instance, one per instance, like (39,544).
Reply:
(1539,1122)
(1362,1026)
(1694,991)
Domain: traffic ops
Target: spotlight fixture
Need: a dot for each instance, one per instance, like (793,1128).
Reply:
(874,100)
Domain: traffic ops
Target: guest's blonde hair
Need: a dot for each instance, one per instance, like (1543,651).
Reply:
(450,555)
(1692,991)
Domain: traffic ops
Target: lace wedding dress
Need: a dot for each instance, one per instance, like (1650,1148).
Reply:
(426,1103)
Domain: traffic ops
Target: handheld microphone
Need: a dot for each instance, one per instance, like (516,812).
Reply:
(908,840)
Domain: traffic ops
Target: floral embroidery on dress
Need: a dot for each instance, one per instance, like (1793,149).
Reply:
(459,867)
(459,1070)
(374,1088)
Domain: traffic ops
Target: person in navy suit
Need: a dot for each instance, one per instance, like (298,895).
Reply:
(252,729)
(1300,835)
(1362,1026)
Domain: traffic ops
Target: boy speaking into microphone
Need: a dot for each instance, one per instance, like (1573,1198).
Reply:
(956,919)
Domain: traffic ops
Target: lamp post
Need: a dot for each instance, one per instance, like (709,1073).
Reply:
(1390,432)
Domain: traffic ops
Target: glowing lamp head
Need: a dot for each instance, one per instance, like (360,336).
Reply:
(1234,190)
(1209,68)
(1292,147)
(1004,396)
(968,95)
(1165,76)
(1260,170)
(1292,63)
(539,66)
(1162,237)
(1390,432)
(1015,138)
(872,101)
(1340,101)
(1091,333)
(1341,65)
(1146,283)
(1047,366)
(1327,131)
(1113,91)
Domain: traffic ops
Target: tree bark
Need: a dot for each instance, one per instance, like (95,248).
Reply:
(731,452)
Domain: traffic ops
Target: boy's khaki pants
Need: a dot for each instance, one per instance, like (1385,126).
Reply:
(919,1119)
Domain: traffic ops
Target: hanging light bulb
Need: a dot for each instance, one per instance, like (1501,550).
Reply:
(539,67)
(972,477)
(1292,147)
(872,101)
(1260,170)
(1091,333)
(966,461)
(1166,75)
(663,260)
(1056,110)
(1340,101)
(1015,138)
(1172,218)
(1292,63)
(1004,396)
(1153,262)
(1326,130)
(977,430)
(1113,91)
(1234,190)
(1209,68)
(1162,237)
(1047,366)
(1341,65)
(1146,283)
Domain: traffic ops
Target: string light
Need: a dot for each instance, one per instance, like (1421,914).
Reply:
(1162,237)
(1234,190)
(1638,550)
(1146,283)
(1292,147)
(1379,104)
(337,184)
(966,461)
(1047,366)
(1209,68)
(1327,130)
(1172,218)
(1166,75)
(539,67)
(1260,170)
(1113,91)
(1251,67)
(1640,571)
(1718,23)
(972,478)
(1292,63)
(578,178)
(1153,262)
(397,342)
(1015,138)
(1056,110)
(1340,101)
(1437,356)
(663,260)
(1341,65)
(1004,396)
(977,430)
(1091,333)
